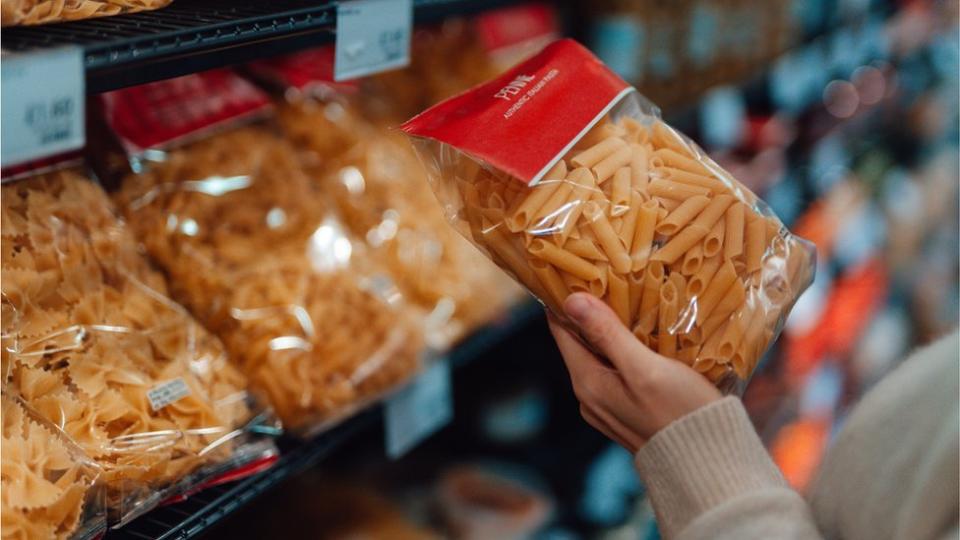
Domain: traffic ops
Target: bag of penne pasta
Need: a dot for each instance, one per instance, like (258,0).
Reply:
(570,181)
(225,206)
(31,12)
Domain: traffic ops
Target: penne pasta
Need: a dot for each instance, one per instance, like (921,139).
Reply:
(665,138)
(649,303)
(629,225)
(639,167)
(596,153)
(574,284)
(682,215)
(692,260)
(618,296)
(714,292)
(713,243)
(620,192)
(699,281)
(544,220)
(564,259)
(680,243)
(552,282)
(731,300)
(668,189)
(714,211)
(667,316)
(585,248)
(605,169)
(520,218)
(733,235)
(584,189)
(755,242)
(609,241)
(635,284)
(710,183)
(642,246)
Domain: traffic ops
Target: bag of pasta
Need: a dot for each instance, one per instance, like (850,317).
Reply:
(570,181)
(256,253)
(48,482)
(30,12)
(377,184)
(93,343)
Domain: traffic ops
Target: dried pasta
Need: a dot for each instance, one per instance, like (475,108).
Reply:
(686,262)
(253,251)
(48,483)
(30,12)
(94,344)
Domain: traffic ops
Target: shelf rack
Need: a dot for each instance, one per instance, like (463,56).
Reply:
(199,512)
(195,35)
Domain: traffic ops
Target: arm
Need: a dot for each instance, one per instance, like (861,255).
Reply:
(706,470)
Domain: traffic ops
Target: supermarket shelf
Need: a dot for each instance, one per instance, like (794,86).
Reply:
(195,35)
(190,518)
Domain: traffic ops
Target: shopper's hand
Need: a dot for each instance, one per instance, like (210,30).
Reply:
(641,393)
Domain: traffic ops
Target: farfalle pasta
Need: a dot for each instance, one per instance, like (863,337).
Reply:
(252,250)
(48,482)
(571,182)
(93,343)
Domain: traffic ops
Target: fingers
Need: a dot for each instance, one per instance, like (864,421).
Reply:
(579,360)
(603,329)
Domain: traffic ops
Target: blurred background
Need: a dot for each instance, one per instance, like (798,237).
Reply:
(841,114)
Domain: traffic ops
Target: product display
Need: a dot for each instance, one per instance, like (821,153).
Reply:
(48,483)
(27,12)
(93,343)
(253,251)
(632,212)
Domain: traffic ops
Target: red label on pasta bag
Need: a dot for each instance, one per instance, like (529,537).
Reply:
(526,119)
(506,28)
(307,71)
(161,113)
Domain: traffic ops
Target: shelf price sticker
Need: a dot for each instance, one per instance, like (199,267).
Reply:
(372,36)
(418,410)
(42,95)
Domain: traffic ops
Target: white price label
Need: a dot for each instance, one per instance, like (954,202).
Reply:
(372,36)
(168,392)
(418,410)
(42,104)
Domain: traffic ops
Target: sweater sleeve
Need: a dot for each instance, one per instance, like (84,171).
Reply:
(709,476)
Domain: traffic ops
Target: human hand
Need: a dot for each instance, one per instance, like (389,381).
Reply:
(641,393)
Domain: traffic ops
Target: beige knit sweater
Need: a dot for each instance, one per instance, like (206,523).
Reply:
(892,472)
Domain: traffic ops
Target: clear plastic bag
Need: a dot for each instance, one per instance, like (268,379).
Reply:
(628,210)
(30,12)
(93,343)
(381,193)
(256,254)
(48,482)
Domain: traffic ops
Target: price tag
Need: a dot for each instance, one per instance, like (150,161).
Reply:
(372,36)
(43,104)
(418,410)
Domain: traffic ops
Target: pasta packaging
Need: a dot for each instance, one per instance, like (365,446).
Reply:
(48,482)
(377,184)
(29,12)
(93,343)
(253,250)
(570,181)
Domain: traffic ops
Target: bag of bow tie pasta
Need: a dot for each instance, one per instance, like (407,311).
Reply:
(48,483)
(255,251)
(375,180)
(93,343)
(570,181)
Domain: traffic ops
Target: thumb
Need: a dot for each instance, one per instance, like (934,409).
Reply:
(601,327)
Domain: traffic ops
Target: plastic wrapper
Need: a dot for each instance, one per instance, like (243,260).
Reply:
(382,194)
(48,482)
(94,344)
(570,181)
(29,12)
(254,252)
